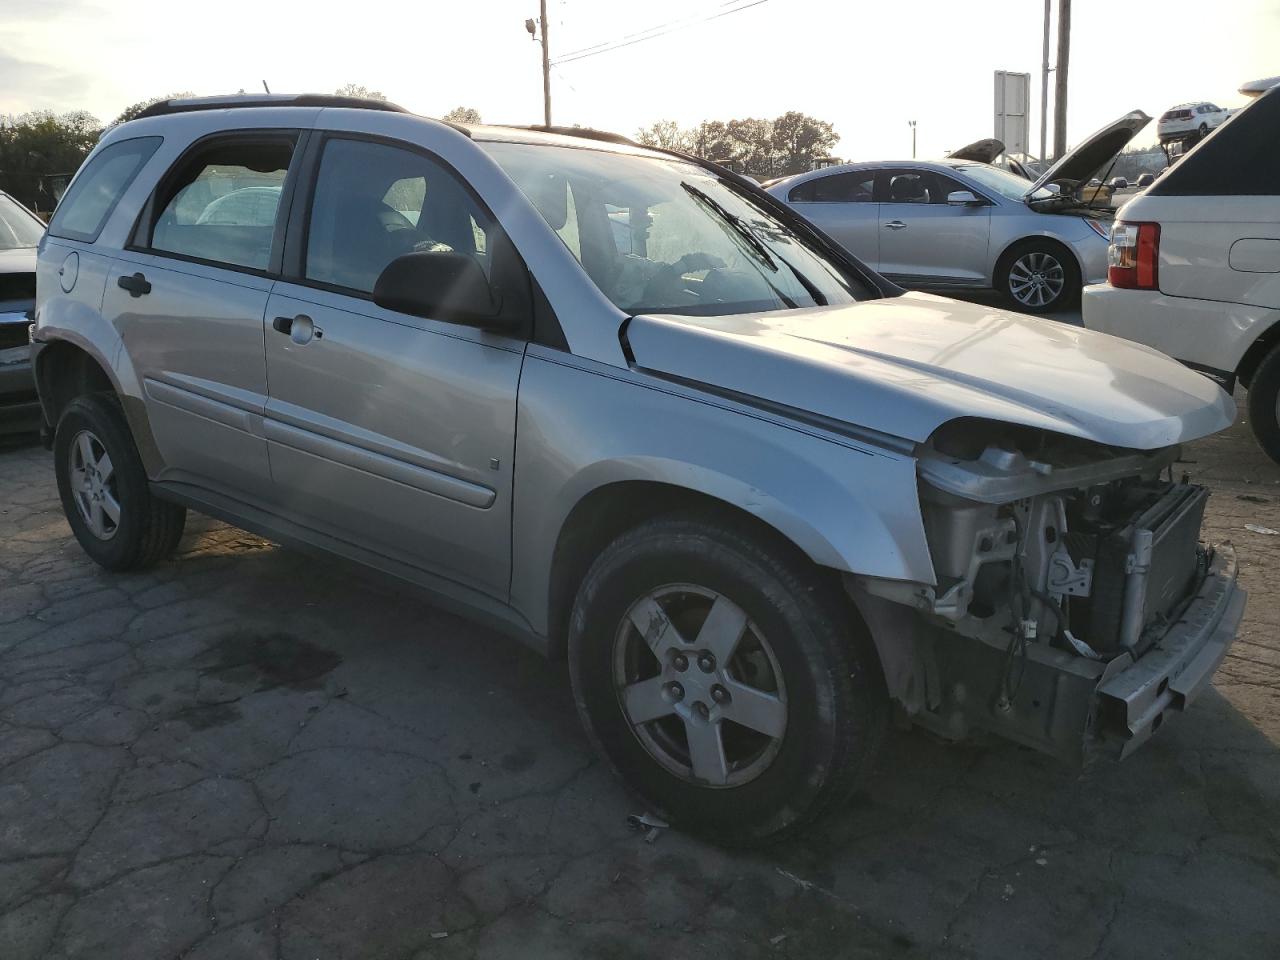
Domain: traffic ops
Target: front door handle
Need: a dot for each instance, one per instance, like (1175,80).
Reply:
(895,225)
(300,329)
(137,285)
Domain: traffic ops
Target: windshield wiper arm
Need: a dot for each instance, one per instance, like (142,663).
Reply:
(735,222)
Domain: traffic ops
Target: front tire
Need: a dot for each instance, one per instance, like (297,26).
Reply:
(104,490)
(723,680)
(1264,404)
(1038,276)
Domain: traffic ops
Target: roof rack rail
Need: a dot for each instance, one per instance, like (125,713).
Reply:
(586,133)
(191,104)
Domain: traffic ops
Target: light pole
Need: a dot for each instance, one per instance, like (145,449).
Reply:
(912,125)
(1044,84)
(546,59)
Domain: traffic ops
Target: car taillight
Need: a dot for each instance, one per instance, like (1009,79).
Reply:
(1133,256)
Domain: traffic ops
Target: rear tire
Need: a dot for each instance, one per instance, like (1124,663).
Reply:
(794,713)
(1038,276)
(1263,403)
(104,489)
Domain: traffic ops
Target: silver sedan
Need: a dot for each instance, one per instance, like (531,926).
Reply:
(955,224)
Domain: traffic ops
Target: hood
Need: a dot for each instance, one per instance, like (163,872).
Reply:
(980,151)
(1083,163)
(906,365)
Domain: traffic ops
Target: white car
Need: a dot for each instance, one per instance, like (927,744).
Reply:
(1188,120)
(1195,265)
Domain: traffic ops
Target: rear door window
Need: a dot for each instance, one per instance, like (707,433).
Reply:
(222,204)
(858,187)
(94,193)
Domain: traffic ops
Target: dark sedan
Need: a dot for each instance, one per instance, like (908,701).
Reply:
(20,231)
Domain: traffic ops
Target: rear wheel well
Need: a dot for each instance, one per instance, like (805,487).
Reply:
(64,372)
(607,512)
(1257,352)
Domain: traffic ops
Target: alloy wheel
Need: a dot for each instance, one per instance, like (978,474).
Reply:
(93,485)
(1037,279)
(700,685)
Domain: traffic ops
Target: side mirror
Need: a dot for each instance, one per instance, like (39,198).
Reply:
(450,287)
(963,198)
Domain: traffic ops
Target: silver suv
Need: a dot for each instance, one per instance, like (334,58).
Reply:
(626,406)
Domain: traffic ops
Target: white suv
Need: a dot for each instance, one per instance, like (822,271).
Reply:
(1195,265)
(1188,120)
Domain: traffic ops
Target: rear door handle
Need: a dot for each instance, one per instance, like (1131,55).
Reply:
(300,329)
(137,285)
(895,225)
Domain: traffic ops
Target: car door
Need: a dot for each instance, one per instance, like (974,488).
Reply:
(923,239)
(188,296)
(843,206)
(390,431)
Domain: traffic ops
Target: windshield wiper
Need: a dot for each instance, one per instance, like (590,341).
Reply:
(735,222)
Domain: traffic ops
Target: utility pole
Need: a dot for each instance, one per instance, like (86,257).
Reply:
(546,67)
(1060,81)
(912,125)
(1044,84)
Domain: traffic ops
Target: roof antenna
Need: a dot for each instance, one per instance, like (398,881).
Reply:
(265,87)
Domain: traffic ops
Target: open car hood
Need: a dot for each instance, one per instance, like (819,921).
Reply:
(980,151)
(1095,152)
(906,365)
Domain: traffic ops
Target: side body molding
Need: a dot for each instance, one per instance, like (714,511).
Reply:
(583,425)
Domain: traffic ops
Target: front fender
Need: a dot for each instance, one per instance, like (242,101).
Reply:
(583,426)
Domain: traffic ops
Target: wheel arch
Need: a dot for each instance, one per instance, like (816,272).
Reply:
(1257,351)
(1002,261)
(68,366)
(65,370)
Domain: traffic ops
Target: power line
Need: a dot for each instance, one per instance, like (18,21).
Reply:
(670,23)
(653,33)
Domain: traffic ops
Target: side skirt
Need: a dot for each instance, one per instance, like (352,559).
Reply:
(441,592)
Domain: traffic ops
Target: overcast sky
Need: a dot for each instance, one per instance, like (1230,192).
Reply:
(868,67)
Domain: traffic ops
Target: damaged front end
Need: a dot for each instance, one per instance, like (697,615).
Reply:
(1074,603)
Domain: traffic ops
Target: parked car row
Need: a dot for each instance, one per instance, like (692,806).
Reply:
(636,411)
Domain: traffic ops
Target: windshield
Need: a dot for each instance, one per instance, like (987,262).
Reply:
(1001,181)
(667,236)
(17,227)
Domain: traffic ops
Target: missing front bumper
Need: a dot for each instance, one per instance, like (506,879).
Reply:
(1134,697)
(1077,709)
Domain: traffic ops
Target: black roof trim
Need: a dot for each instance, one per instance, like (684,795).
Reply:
(586,133)
(166,107)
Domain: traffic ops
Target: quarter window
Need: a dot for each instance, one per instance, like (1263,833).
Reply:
(375,202)
(223,204)
(97,189)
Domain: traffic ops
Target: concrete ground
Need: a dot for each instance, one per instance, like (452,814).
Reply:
(247,753)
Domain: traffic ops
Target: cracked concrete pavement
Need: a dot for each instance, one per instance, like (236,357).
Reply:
(248,753)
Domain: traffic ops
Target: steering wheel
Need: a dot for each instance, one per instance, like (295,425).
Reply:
(667,285)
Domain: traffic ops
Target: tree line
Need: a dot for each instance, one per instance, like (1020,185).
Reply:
(791,143)
(39,151)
